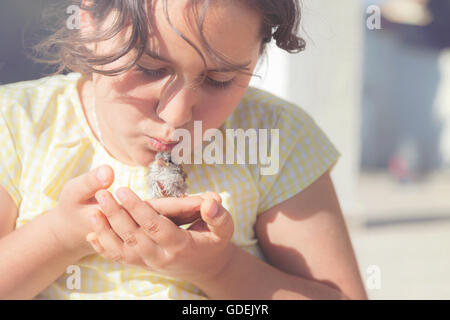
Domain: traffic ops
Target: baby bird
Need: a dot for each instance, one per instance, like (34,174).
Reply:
(165,178)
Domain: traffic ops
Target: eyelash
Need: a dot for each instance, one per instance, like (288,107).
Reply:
(221,85)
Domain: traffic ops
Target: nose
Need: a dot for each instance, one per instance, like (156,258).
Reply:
(175,105)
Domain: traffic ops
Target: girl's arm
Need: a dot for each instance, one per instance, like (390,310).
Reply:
(307,243)
(31,258)
(36,254)
(8,212)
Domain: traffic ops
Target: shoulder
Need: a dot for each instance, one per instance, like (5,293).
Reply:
(36,102)
(261,109)
(298,150)
(40,86)
(36,93)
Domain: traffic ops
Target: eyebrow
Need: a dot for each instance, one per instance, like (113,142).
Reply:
(238,67)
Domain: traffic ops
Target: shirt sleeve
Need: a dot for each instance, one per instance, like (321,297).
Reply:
(305,154)
(10,164)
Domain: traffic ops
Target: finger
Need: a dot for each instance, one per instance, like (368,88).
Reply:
(199,226)
(157,227)
(120,221)
(148,250)
(107,238)
(211,195)
(93,241)
(218,219)
(84,187)
(179,210)
(130,256)
(182,210)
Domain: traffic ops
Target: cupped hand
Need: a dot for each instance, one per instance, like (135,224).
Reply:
(70,221)
(143,233)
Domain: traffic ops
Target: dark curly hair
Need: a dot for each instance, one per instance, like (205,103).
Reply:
(66,49)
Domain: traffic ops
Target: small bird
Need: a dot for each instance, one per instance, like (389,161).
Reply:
(165,178)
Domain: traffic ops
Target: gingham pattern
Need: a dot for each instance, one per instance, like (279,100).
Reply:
(45,141)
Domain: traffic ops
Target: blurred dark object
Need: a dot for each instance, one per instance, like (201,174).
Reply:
(20,27)
(434,34)
(401,128)
(439,28)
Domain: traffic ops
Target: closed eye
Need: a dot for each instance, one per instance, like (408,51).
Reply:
(218,84)
(159,73)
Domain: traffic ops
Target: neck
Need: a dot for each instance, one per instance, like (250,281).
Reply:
(87,95)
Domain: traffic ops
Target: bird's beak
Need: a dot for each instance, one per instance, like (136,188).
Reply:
(161,163)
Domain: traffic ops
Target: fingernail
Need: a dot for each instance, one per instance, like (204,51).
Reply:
(102,175)
(213,211)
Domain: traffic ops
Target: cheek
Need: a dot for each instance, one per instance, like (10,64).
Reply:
(214,110)
(135,90)
(118,123)
(129,101)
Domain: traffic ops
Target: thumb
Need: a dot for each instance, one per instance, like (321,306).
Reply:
(217,218)
(86,186)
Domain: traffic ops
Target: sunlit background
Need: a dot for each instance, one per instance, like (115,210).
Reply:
(376,78)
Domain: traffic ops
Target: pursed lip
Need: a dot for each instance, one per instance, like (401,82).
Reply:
(161,145)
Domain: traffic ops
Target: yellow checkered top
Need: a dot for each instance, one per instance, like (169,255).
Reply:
(46,140)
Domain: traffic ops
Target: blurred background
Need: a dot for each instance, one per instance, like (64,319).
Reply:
(376,78)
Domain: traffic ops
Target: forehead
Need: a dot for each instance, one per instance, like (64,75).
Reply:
(229,28)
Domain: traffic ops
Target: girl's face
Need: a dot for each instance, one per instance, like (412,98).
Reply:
(163,92)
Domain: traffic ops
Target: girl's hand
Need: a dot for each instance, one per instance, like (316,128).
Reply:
(70,218)
(139,233)
(70,221)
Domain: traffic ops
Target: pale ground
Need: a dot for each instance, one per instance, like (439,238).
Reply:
(405,232)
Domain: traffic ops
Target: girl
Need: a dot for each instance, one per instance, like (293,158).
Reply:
(76,149)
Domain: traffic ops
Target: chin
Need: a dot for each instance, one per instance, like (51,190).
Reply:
(145,157)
